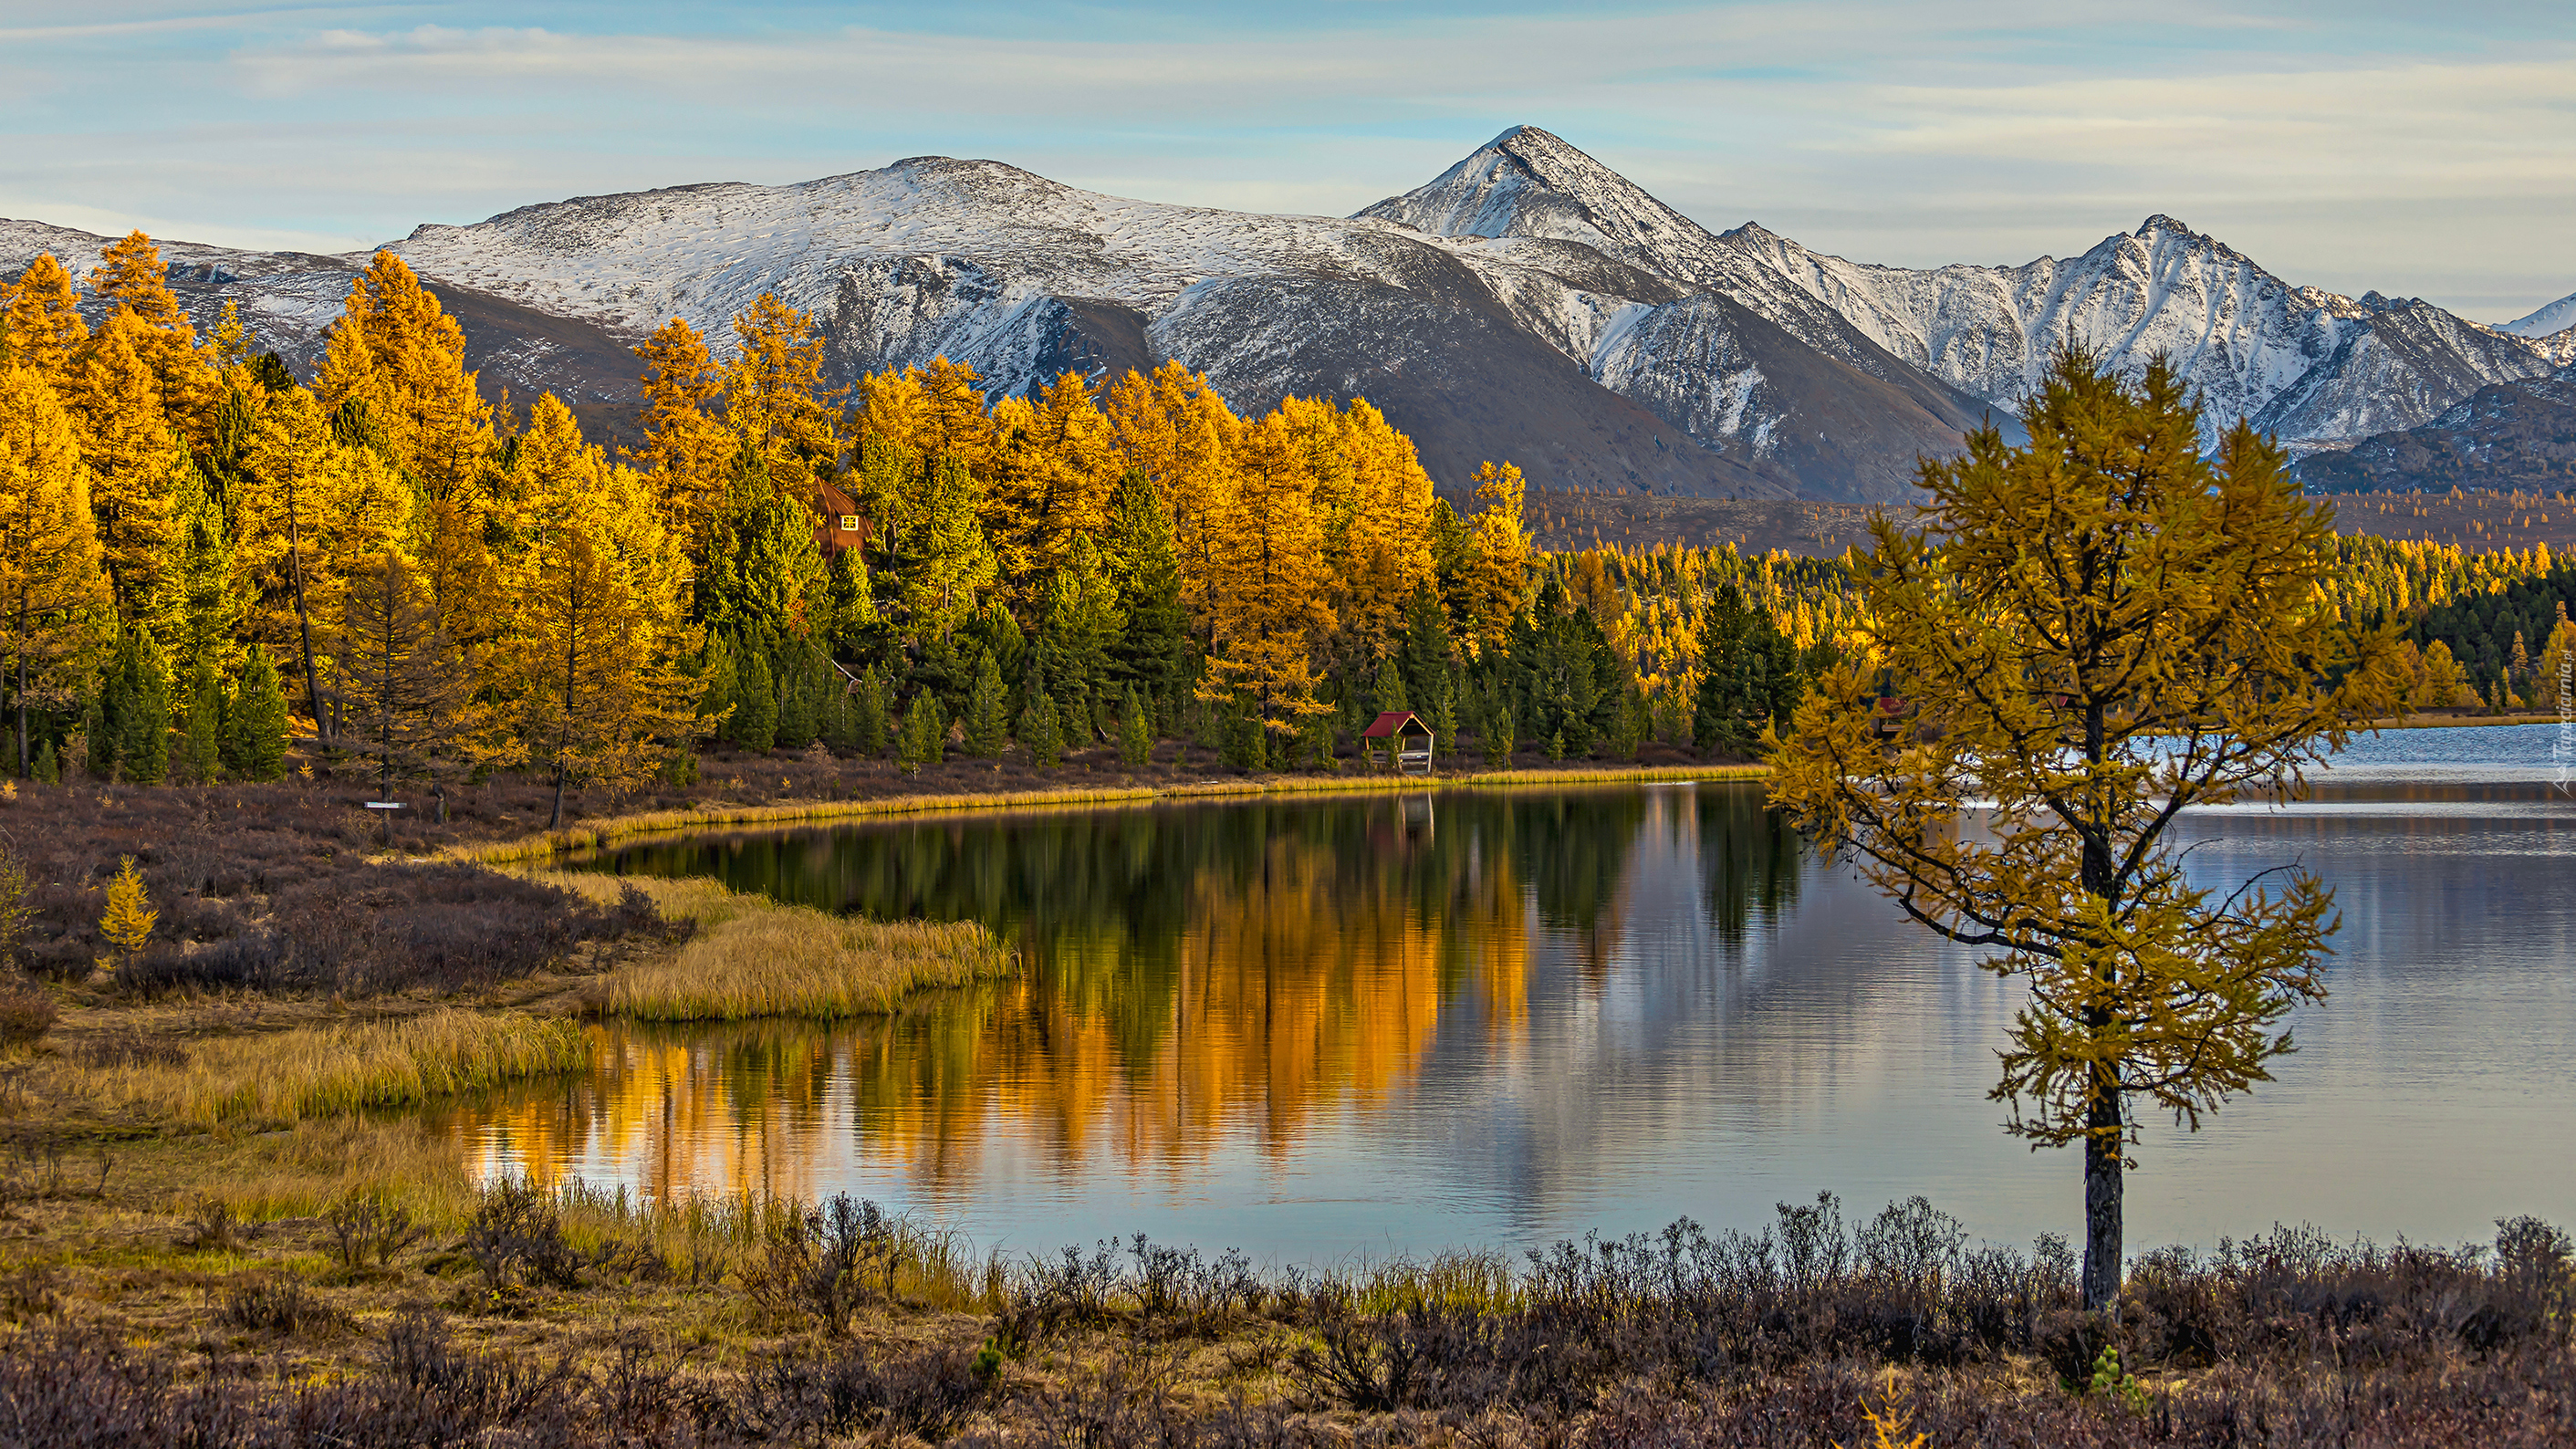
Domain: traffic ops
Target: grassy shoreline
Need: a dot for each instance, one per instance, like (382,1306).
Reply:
(612,829)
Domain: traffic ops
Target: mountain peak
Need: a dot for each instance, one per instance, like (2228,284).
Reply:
(1527,182)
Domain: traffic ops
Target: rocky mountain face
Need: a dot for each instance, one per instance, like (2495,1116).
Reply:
(2313,367)
(2505,437)
(1528,304)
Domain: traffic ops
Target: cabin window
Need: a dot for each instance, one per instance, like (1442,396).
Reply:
(849,523)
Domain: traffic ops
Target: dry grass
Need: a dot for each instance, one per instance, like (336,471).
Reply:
(658,822)
(754,957)
(287,1076)
(301,1172)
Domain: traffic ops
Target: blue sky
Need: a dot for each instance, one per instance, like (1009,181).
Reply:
(2420,150)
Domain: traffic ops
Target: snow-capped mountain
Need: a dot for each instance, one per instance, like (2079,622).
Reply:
(2557,317)
(1528,304)
(2311,366)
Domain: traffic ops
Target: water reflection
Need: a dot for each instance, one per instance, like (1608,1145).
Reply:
(1311,1026)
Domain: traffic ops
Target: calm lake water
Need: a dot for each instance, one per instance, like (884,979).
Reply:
(1324,1027)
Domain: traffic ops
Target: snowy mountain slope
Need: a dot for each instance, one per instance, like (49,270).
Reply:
(1528,304)
(2505,436)
(1023,278)
(2314,366)
(2549,321)
(288,299)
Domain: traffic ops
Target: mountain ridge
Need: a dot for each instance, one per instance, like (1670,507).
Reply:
(1529,303)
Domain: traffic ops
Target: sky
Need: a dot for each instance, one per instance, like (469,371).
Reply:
(2415,149)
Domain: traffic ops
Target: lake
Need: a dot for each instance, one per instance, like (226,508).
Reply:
(1321,1027)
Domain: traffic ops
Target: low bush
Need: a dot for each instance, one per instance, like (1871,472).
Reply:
(270,1303)
(27,1012)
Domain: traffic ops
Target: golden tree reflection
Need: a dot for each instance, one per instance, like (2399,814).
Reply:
(1196,979)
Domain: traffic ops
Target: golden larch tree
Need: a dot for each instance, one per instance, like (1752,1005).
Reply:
(132,274)
(2094,633)
(774,400)
(52,584)
(130,452)
(1495,578)
(1267,597)
(42,327)
(397,352)
(687,452)
(1050,476)
(591,663)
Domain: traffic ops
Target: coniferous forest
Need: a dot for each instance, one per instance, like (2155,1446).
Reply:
(205,558)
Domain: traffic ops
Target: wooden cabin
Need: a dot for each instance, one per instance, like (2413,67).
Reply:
(1407,739)
(842,524)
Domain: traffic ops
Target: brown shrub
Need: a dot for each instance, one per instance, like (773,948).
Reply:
(27,1011)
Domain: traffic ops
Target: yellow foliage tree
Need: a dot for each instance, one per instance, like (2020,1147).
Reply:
(400,356)
(127,923)
(131,453)
(42,327)
(686,451)
(1267,596)
(1495,577)
(1050,474)
(52,585)
(774,399)
(591,664)
(2096,631)
(132,274)
(1173,428)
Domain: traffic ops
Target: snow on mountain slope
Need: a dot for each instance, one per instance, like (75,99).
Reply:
(1529,304)
(2316,366)
(2309,365)
(2549,321)
(288,299)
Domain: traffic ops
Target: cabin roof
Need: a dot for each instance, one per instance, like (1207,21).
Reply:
(1395,722)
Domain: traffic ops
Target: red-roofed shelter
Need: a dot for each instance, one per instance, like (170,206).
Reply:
(1408,741)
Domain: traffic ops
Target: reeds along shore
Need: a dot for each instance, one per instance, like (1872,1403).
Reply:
(286,1076)
(753,958)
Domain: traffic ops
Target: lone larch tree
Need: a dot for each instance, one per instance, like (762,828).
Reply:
(2085,637)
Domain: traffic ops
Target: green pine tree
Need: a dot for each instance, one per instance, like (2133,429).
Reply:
(201,728)
(718,686)
(1388,692)
(1494,726)
(762,569)
(925,731)
(1424,657)
(987,712)
(1152,649)
(1135,737)
(754,725)
(873,713)
(254,739)
(800,693)
(46,769)
(840,713)
(129,728)
(1042,731)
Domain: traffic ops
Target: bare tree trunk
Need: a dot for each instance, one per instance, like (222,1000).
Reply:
(24,764)
(2102,1216)
(303,617)
(563,744)
(2103,1145)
